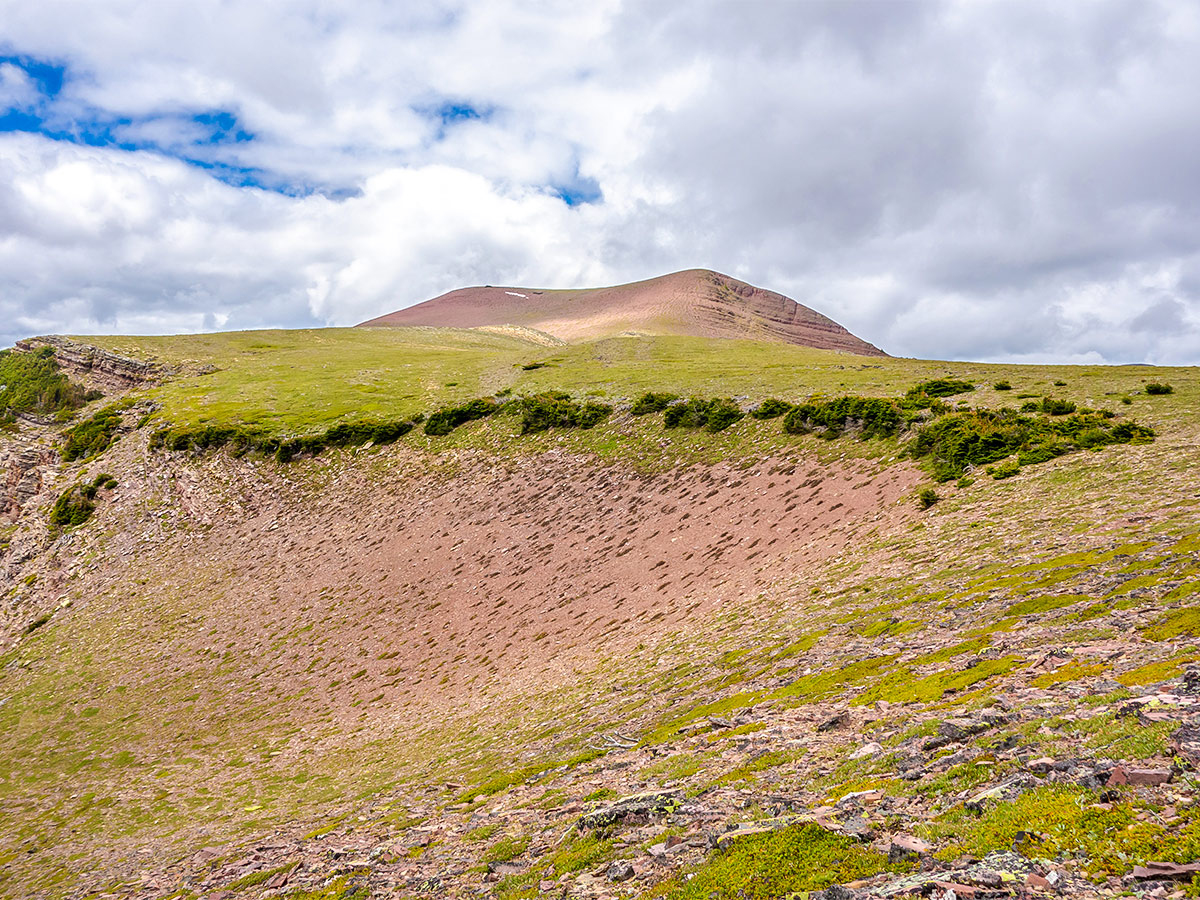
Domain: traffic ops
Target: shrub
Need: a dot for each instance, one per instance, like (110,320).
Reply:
(1050,405)
(1006,469)
(1002,386)
(32,382)
(940,387)
(445,420)
(927,497)
(650,402)
(873,417)
(77,503)
(93,436)
(771,408)
(1158,389)
(711,415)
(959,440)
(555,409)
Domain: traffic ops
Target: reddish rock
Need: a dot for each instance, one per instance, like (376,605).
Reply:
(1165,870)
(1122,775)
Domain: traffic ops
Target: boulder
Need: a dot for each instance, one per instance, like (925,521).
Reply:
(641,807)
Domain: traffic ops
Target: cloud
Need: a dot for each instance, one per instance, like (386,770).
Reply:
(18,92)
(989,180)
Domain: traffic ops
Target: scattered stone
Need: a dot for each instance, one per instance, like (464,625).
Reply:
(1041,766)
(837,892)
(1165,870)
(858,828)
(1122,775)
(278,880)
(1001,793)
(1185,741)
(904,847)
(961,728)
(870,750)
(842,718)
(619,871)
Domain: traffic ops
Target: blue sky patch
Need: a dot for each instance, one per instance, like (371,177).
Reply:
(449,113)
(578,190)
(188,136)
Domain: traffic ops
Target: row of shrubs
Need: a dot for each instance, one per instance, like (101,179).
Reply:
(240,439)
(537,413)
(33,383)
(951,440)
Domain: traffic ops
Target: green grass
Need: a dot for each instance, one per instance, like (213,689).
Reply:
(1068,820)
(297,382)
(1176,623)
(505,849)
(902,686)
(769,866)
(1153,673)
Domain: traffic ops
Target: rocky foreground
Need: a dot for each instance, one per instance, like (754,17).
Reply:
(883,784)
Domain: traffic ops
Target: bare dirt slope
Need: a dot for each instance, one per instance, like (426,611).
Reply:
(695,302)
(310,611)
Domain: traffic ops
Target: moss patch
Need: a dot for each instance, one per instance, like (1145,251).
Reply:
(1072,671)
(758,867)
(1177,623)
(904,687)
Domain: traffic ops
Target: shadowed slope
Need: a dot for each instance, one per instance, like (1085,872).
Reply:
(696,302)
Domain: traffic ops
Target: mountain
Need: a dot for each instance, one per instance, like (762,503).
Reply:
(695,302)
(352,613)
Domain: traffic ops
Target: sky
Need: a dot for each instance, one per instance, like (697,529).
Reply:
(997,181)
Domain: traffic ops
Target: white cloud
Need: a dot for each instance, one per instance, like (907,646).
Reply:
(951,179)
(17,90)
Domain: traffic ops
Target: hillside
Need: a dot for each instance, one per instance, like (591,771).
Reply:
(696,303)
(306,644)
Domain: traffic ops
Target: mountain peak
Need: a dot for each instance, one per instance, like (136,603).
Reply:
(695,302)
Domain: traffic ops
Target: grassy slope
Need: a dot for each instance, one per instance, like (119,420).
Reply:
(985,548)
(299,381)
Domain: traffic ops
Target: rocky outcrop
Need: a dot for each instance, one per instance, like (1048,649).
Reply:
(23,470)
(95,368)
